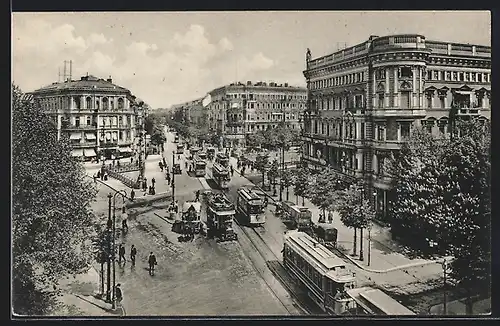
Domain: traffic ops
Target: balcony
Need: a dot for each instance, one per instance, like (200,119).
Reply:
(387,144)
(397,112)
(468,111)
(67,126)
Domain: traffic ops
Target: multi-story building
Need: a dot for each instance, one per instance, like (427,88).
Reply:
(239,109)
(364,101)
(99,117)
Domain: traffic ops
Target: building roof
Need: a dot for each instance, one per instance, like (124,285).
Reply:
(85,83)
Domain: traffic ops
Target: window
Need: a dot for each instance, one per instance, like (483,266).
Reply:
(405,130)
(447,75)
(435,74)
(120,103)
(77,102)
(88,121)
(380,164)
(120,120)
(381,133)
(88,103)
(358,101)
(77,122)
(381,100)
(442,101)
(362,130)
(429,100)
(405,72)
(429,75)
(454,76)
(97,104)
(428,126)
(442,126)
(105,103)
(405,100)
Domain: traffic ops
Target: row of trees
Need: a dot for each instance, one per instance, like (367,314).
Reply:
(274,138)
(51,215)
(442,201)
(154,126)
(441,204)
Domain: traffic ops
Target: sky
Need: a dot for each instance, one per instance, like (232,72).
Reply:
(167,58)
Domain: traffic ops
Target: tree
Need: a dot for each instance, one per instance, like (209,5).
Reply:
(355,210)
(51,216)
(287,179)
(322,191)
(261,163)
(273,173)
(255,139)
(442,189)
(158,137)
(302,182)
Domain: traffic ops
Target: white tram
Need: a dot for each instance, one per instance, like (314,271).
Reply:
(250,207)
(323,274)
(221,176)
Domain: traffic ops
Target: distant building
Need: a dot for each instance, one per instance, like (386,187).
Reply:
(99,117)
(364,101)
(238,109)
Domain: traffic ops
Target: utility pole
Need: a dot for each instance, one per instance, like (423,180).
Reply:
(445,266)
(282,150)
(113,302)
(361,229)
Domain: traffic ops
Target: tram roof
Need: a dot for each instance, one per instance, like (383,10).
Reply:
(187,205)
(220,168)
(379,299)
(313,248)
(248,194)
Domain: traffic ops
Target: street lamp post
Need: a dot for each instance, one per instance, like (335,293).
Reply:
(445,266)
(370,231)
(361,257)
(109,230)
(123,194)
(173,176)
(282,148)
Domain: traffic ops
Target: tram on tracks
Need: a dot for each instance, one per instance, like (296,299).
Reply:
(296,217)
(250,207)
(371,301)
(220,215)
(180,148)
(323,275)
(190,223)
(221,176)
(222,159)
(199,167)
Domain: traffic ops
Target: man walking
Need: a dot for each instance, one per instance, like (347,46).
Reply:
(118,295)
(133,253)
(152,263)
(121,252)
(153,181)
(132,195)
(330,217)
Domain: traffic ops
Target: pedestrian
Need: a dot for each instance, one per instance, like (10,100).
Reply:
(121,254)
(99,174)
(132,195)
(131,160)
(118,294)
(133,253)
(164,162)
(232,170)
(167,176)
(153,181)
(160,164)
(95,177)
(179,157)
(152,263)
(153,190)
(124,225)
(197,195)
(118,164)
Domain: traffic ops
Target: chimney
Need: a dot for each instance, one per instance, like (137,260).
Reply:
(286,84)
(249,83)
(70,69)
(109,80)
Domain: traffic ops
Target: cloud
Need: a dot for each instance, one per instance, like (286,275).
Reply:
(176,70)
(98,39)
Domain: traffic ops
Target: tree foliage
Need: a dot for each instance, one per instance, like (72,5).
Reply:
(442,195)
(302,182)
(323,189)
(354,209)
(51,214)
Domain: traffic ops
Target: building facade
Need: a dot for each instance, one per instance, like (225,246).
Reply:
(99,117)
(364,101)
(239,109)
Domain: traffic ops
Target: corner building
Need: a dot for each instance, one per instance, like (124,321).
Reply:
(97,116)
(364,100)
(238,109)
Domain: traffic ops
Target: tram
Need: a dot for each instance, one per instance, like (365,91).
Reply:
(250,207)
(222,159)
(221,176)
(199,167)
(371,301)
(220,214)
(322,274)
(180,149)
(296,216)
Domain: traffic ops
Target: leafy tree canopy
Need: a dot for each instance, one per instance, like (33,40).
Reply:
(51,213)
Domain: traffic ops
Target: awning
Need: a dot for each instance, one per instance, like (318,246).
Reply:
(75,136)
(77,152)
(89,152)
(90,136)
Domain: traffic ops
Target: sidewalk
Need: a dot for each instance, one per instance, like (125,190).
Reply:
(386,255)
